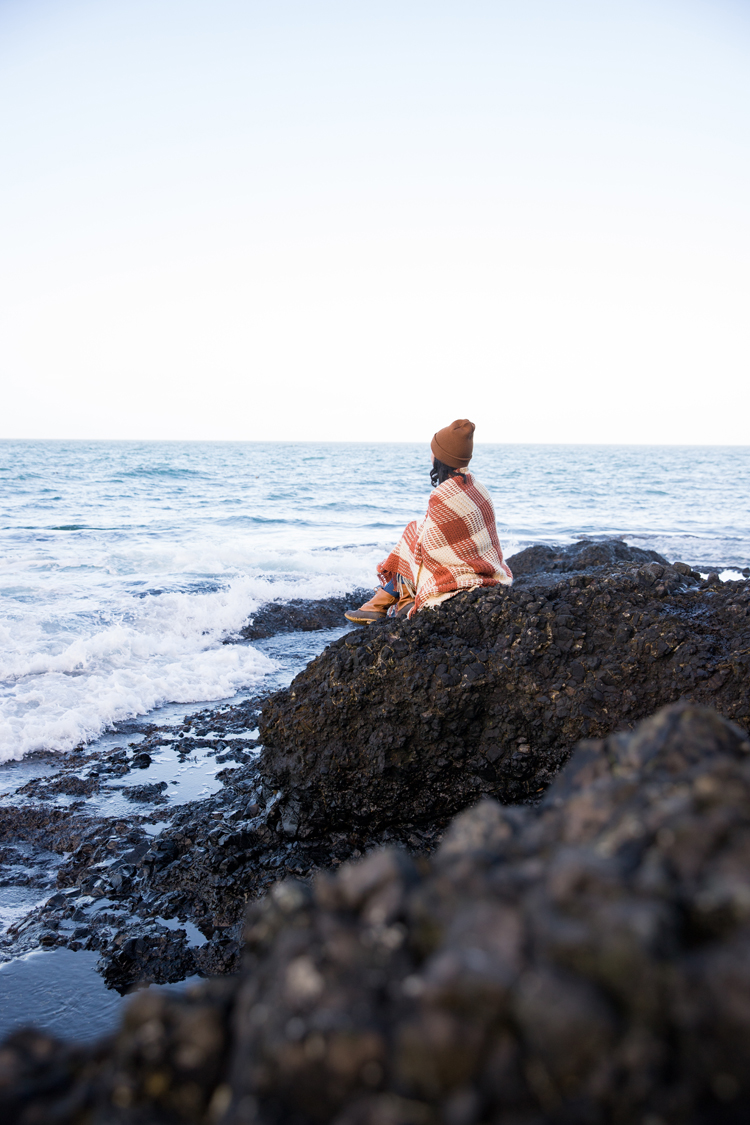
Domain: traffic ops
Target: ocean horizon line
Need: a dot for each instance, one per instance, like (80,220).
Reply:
(348,442)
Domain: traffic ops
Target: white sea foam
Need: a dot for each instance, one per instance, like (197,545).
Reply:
(59,690)
(81,650)
(82,646)
(730,576)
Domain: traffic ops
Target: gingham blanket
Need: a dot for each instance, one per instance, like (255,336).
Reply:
(454,548)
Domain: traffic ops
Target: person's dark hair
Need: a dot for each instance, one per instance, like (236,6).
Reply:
(440,473)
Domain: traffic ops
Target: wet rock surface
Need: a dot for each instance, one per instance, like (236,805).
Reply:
(486,694)
(586,555)
(149,794)
(585,960)
(161,895)
(299,614)
(105,880)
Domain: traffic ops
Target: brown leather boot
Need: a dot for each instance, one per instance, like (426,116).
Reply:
(374,610)
(405,602)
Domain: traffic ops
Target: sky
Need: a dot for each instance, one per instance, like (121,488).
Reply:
(338,220)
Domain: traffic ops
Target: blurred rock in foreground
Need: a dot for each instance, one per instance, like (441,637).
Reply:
(586,961)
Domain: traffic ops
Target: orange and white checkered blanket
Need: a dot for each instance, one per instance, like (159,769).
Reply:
(454,548)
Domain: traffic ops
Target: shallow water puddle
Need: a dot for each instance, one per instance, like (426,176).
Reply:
(61,992)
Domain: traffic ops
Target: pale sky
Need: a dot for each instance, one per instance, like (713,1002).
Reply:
(347,220)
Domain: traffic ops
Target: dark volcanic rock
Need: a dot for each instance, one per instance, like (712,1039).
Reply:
(301,615)
(586,961)
(118,880)
(586,554)
(486,694)
(156,955)
(42,788)
(215,856)
(153,793)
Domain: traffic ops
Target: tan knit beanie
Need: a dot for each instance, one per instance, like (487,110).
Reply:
(454,444)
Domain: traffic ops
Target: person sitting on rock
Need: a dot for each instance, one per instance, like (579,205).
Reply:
(456,547)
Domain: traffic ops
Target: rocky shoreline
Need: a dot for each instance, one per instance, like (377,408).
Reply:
(580,961)
(380,742)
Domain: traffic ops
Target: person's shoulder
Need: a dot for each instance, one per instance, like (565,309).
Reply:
(472,482)
(478,488)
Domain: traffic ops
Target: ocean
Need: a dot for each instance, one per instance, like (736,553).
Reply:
(125,567)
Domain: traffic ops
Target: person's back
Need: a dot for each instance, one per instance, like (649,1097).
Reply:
(456,547)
